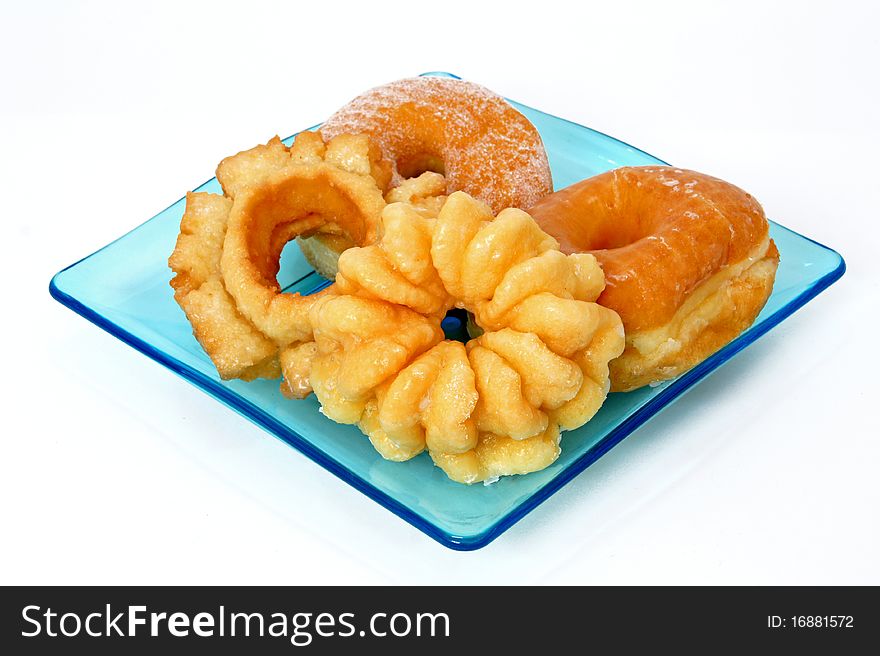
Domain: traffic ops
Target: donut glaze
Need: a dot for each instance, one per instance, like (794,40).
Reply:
(471,135)
(687,258)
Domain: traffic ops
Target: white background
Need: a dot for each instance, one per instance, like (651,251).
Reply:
(113,470)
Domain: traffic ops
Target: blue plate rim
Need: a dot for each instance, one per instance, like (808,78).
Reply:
(459,542)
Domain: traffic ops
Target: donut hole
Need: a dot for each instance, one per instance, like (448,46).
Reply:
(455,325)
(614,232)
(609,212)
(412,166)
(278,214)
(293,276)
(607,226)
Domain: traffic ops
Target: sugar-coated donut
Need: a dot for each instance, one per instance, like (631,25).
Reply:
(475,138)
(688,261)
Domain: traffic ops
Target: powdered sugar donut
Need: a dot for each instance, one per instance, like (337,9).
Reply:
(471,135)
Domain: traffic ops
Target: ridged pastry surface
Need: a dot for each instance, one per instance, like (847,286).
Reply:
(494,406)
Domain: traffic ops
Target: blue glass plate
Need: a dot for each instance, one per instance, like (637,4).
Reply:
(123,288)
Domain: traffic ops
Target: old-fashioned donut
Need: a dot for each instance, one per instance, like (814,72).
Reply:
(226,257)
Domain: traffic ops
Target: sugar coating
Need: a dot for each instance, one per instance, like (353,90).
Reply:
(487,148)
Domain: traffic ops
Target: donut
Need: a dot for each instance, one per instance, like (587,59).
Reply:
(687,258)
(476,139)
(491,407)
(226,257)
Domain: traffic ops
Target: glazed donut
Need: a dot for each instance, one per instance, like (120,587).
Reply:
(476,139)
(226,257)
(496,405)
(688,261)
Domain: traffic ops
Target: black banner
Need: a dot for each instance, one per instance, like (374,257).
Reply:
(114,620)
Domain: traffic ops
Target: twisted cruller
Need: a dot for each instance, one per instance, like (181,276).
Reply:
(494,406)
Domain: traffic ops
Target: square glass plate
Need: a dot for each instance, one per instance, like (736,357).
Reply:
(123,288)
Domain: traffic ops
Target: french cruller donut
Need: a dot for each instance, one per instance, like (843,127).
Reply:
(496,405)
